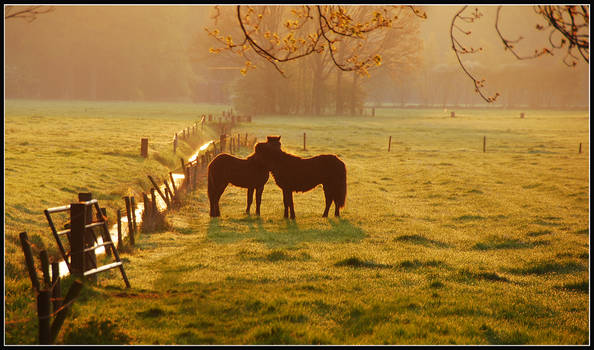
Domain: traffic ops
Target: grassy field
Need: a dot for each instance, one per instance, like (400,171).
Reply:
(439,242)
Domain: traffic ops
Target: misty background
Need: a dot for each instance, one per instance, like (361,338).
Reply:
(161,53)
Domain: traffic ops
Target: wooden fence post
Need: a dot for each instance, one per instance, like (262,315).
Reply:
(144,147)
(129,215)
(389,143)
(73,292)
(222,141)
(29,260)
(175,143)
(56,282)
(304,136)
(484,144)
(133,207)
(147,212)
(373,111)
(159,191)
(172,184)
(154,202)
(196,175)
(580,150)
(44,258)
(166,191)
(120,242)
(169,190)
(89,236)
(44,316)
(105,235)
(183,166)
(77,232)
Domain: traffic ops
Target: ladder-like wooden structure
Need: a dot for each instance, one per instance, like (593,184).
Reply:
(81,228)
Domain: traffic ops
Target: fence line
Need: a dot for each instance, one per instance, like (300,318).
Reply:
(81,259)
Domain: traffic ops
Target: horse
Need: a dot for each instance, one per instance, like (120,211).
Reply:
(226,169)
(295,174)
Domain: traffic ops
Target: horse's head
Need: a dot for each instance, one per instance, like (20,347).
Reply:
(274,141)
(264,152)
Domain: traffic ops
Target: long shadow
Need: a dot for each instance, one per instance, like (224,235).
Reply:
(290,234)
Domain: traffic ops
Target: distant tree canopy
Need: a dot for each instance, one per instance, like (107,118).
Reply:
(280,34)
(307,44)
(320,29)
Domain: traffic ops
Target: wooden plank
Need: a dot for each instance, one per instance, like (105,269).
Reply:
(103,268)
(159,191)
(57,236)
(98,246)
(58,209)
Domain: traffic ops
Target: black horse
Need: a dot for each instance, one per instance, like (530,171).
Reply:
(226,169)
(293,173)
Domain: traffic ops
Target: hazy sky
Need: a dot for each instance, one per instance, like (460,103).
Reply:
(141,52)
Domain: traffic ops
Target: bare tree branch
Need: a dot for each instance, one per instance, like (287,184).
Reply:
(461,49)
(28,13)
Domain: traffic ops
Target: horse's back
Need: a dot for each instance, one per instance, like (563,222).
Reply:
(303,174)
(239,172)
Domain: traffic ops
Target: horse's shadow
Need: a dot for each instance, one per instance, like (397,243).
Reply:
(285,233)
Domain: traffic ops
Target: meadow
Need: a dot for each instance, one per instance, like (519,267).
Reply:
(439,242)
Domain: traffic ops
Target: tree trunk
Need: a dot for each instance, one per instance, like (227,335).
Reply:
(339,99)
(317,87)
(353,97)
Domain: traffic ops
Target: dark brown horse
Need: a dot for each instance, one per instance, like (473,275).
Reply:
(226,169)
(293,173)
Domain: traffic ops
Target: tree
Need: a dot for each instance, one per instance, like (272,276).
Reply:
(320,39)
(329,25)
(308,30)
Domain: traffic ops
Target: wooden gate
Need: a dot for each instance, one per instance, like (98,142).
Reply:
(83,240)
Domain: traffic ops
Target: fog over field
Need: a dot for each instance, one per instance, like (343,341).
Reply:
(161,53)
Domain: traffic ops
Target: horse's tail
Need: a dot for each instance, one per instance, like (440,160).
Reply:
(342,185)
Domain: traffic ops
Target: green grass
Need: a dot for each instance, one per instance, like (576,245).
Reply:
(439,243)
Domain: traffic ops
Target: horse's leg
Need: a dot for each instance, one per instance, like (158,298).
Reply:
(291,205)
(336,209)
(259,191)
(219,193)
(250,196)
(286,196)
(328,201)
(212,204)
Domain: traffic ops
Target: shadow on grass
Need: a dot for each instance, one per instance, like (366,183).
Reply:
(252,228)
(421,240)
